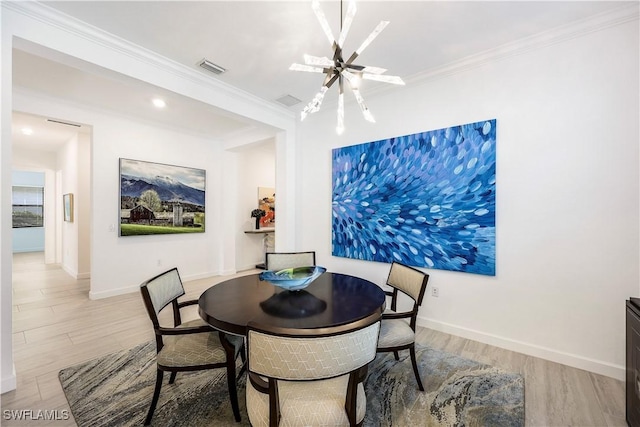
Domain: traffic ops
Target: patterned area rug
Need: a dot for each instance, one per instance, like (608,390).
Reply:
(116,390)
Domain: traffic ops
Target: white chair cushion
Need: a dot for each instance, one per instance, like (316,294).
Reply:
(394,333)
(193,349)
(307,403)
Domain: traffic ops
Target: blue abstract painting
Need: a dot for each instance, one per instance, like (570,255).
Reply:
(426,200)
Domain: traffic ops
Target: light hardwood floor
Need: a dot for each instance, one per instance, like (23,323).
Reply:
(56,325)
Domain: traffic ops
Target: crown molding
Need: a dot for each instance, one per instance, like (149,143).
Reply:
(49,16)
(583,27)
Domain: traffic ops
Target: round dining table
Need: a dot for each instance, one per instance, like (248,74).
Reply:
(333,301)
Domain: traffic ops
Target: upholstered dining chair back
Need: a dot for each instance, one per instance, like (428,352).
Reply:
(280,260)
(307,358)
(408,280)
(161,290)
(305,378)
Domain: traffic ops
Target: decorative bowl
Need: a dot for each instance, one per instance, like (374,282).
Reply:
(293,279)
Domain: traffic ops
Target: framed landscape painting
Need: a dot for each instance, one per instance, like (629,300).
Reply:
(157,198)
(67,204)
(426,199)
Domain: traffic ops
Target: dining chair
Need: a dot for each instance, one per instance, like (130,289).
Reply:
(188,346)
(280,260)
(298,378)
(398,328)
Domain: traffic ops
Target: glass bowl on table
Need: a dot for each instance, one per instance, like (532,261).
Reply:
(293,279)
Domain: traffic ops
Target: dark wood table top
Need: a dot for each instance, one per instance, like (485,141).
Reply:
(333,300)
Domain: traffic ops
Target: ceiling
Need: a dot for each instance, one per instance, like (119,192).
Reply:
(256,41)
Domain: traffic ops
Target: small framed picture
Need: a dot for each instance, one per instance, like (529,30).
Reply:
(67,202)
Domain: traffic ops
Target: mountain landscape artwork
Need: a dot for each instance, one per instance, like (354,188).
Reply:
(426,199)
(156,198)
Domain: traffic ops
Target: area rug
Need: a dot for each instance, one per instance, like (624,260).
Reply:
(116,390)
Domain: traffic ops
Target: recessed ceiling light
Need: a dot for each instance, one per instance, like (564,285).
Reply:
(159,103)
(27,131)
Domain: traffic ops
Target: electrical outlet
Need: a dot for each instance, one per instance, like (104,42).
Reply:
(435,292)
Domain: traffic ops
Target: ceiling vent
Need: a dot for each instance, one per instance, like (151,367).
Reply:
(210,66)
(288,100)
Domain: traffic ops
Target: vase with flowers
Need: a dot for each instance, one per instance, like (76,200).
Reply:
(257,214)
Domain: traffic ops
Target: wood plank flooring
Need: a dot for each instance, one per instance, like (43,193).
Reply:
(56,325)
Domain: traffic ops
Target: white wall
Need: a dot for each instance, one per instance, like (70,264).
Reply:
(567,194)
(83,205)
(256,167)
(74,164)
(67,164)
(7,370)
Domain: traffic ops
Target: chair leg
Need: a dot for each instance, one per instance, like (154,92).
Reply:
(243,357)
(412,352)
(233,392)
(243,354)
(172,378)
(395,353)
(156,395)
(242,370)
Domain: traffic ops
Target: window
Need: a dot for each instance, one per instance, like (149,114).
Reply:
(28,207)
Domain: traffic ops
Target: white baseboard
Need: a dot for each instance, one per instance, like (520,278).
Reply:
(24,250)
(113,292)
(596,366)
(199,276)
(8,382)
(130,289)
(70,272)
(247,267)
(227,272)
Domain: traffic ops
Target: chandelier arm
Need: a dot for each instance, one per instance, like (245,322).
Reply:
(330,80)
(352,58)
(318,60)
(352,81)
(315,5)
(374,70)
(346,24)
(354,67)
(376,31)
(383,78)
(363,107)
(306,68)
(340,126)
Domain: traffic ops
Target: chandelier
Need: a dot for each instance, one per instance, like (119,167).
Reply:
(337,69)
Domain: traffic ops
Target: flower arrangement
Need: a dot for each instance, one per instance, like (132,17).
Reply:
(257,214)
